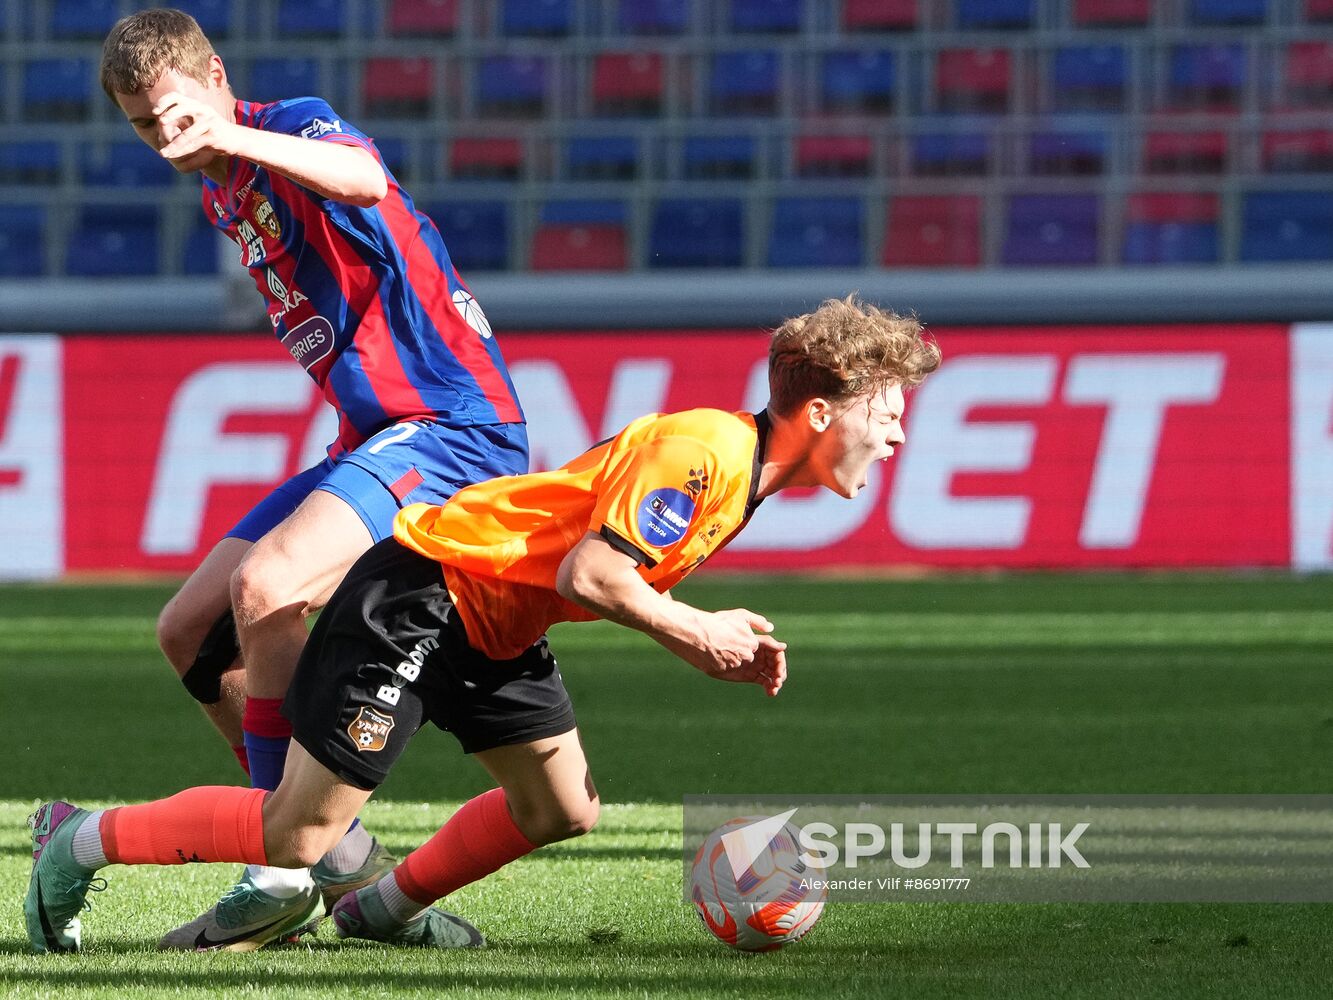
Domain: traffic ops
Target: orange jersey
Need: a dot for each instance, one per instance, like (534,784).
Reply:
(668,490)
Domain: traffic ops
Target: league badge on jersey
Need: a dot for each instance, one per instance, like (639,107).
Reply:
(266,217)
(370,730)
(664,517)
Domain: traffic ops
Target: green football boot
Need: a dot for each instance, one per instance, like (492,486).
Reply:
(362,915)
(58,889)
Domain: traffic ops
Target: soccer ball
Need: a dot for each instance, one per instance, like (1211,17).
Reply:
(764,907)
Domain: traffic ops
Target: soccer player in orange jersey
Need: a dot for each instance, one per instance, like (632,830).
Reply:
(445,623)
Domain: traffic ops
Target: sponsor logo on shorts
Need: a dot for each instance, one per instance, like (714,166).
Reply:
(370,730)
(664,517)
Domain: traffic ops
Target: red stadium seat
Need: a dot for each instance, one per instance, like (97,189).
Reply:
(1309,76)
(879,15)
(1319,11)
(971,80)
(1112,13)
(423,17)
(1172,207)
(1298,151)
(930,231)
(566,247)
(1170,152)
(833,155)
(628,83)
(398,87)
(485,159)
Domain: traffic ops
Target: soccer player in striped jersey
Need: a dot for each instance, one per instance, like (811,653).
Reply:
(445,623)
(361,292)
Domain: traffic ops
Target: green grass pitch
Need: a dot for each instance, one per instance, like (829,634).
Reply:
(1110,683)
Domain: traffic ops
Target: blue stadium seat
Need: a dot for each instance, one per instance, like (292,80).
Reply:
(602,158)
(1051,230)
(1170,243)
(312,18)
(718,157)
(57,89)
(766,15)
(981,15)
(113,240)
(857,82)
(278,79)
(22,240)
(1089,78)
(551,18)
(1068,152)
(199,256)
(951,154)
(476,233)
(1287,225)
(511,86)
(697,232)
(214,16)
(30,162)
(745,83)
(654,17)
(128,163)
(1207,76)
(393,151)
(816,232)
(83,18)
(1228,11)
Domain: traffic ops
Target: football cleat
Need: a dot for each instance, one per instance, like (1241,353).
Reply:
(247,918)
(361,914)
(333,886)
(58,889)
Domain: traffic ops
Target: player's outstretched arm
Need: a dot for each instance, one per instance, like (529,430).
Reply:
(730,645)
(198,135)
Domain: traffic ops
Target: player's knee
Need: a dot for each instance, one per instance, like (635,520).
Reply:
(254,590)
(177,639)
(561,821)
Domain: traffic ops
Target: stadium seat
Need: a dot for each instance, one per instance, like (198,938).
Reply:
(312,18)
(697,232)
(879,15)
(548,18)
(1287,225)
(113,240)
(1089,78)
(602,158)
(1224,12)
(398,88)
(654,17)
(57,90)
(580,236)
(1207,77)
(83,19)
(933,231)
(476,233)
(393,151)
(32,162)
(512,86)
(1112,13)
(214,16)
(1309,74)
(485,158)
(276,79)
(127,163)
(984,15)
(857,82)
(744,83)
(22,241)
(1068,152)
(416,18)
(1051,230)
(766,15)
(1168,151)
(973,80)
(1298,151)
(1174,228)
(951,154)
(834,156)
(1319,11)
(816,232)
(199,255)
(628,83)
(719,157)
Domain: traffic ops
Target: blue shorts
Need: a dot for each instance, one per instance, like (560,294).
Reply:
(416,461)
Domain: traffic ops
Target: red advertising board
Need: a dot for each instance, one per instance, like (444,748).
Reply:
(1162,446)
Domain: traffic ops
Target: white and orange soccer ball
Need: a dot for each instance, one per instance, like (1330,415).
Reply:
(756,896)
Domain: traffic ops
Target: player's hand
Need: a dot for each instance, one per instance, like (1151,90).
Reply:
(736,646)
(195,133)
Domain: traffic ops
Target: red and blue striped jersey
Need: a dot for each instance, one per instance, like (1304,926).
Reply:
(365,299)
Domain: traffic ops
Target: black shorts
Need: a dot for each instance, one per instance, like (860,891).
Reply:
(389,654)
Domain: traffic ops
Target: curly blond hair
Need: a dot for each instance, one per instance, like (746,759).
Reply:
(845,349)
(143,46)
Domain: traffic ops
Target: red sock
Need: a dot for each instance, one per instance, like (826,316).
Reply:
(263,717)
(213,823)
(242,758)
(478,839)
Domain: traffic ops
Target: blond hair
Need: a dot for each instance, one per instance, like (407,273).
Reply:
(143,46)
(845,349)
